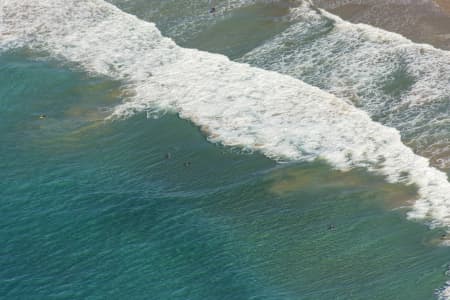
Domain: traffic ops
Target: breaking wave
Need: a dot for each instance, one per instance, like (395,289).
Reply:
(234,104)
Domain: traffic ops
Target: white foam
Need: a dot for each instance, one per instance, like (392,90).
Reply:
(357,62)
(444,293)
(234,103)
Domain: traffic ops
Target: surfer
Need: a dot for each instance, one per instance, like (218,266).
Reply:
(42,116)
(212,10)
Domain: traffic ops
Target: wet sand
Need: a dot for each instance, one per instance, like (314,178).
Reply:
(444,4)
(423,21)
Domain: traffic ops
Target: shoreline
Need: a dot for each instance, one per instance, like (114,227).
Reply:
(426,21)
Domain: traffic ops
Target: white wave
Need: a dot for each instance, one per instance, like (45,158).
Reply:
(399,83)
(444,293)
(234,103)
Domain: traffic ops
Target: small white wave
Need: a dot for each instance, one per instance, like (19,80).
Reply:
(444,293)
(234,103)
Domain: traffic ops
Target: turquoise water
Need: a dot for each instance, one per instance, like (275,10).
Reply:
(95,208)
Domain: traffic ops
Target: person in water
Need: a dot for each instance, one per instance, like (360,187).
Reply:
(212,10)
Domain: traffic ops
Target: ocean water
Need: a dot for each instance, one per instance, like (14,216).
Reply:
(162,172)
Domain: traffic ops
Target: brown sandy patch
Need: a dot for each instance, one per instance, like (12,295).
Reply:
(287,181)
(439,156)
(348,10)
(444,4)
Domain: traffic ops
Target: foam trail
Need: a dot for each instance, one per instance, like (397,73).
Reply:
(399,83)
(234,103)
(444,293)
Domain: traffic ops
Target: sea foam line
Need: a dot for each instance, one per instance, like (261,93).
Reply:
(399,83)
(234,103)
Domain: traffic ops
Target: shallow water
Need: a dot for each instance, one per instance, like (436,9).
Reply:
(95,208)
(423,21)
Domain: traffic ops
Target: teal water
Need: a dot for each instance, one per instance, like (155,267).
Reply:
(94,209)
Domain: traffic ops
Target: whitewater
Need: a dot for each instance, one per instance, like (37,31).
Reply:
(400,84)
(233,103)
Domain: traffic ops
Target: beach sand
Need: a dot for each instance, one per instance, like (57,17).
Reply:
(423,21)
(444,4)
